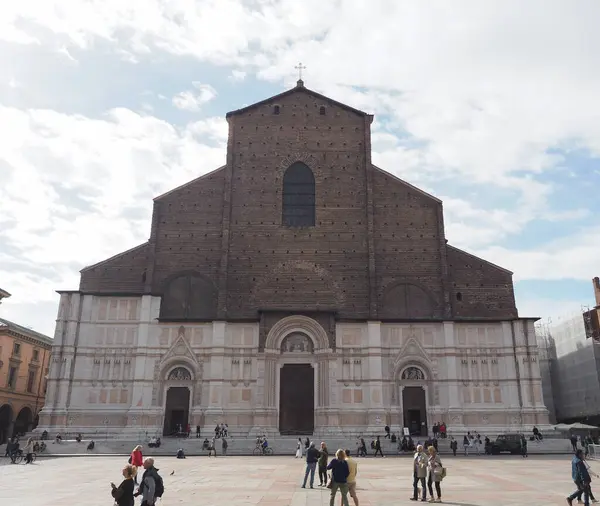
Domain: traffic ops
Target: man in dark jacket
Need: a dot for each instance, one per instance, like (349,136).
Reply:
(151,486)
(323,461)
(582,479)
(312,456)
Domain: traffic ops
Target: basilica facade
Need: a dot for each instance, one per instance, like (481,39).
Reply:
(298,289)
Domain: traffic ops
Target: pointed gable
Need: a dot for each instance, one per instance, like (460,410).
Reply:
(412,353)
(297,90)
(180,351)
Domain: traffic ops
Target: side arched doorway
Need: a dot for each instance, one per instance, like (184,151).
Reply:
(5,423)
(24,421)
(413,386)
(177,404)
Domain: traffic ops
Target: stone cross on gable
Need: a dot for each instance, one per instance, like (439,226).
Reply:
(300,68)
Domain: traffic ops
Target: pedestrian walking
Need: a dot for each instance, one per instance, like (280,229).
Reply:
(378,447)
(436,474)
(312,457)
(339,476)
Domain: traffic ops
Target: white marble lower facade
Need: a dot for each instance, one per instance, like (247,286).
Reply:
(113,365)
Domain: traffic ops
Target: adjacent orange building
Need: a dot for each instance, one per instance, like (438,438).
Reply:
(24,362)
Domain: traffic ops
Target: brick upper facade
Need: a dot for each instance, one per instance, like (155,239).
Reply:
(377,249)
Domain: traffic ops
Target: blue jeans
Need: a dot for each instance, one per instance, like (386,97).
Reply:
(581,489)
(310,468)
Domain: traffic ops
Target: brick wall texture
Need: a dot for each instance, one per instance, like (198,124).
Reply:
(377,250)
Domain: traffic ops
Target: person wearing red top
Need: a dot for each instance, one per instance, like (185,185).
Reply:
(136,460)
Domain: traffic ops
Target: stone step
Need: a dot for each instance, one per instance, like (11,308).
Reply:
(245,446)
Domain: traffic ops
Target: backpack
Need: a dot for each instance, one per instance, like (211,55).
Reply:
(159,486)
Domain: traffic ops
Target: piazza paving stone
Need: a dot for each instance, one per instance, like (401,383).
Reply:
(275,481)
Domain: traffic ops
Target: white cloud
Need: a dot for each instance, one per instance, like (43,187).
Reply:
(487,92)
(237,75)
(77,190)
(548,309)
(572,257)
(475,91)
(194,100)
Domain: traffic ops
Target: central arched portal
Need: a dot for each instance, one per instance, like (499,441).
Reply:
(296,386)
(297,354)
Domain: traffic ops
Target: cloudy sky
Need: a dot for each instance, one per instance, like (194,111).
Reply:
(492,106)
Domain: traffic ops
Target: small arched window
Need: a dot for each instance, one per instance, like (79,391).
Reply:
(298,207)
(322,110)
(276,109)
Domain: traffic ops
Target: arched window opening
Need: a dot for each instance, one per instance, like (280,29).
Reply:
(322,110)
(188,297)
(459,296)
(298,196)
(276,109)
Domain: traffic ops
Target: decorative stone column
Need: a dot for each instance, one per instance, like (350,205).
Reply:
(376,411)
(455,409)
(214,376)
(327,413)
(141,408)
(512,394)
(54,413)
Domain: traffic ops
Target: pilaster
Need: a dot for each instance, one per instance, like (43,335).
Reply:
(451,360)
(511,368)
(376,410)
(215,370)
(142,389)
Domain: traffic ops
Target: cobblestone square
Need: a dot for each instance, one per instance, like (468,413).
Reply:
(275,481)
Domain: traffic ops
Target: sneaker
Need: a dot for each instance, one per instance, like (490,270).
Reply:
(413,498)
(569,501)
(432,500)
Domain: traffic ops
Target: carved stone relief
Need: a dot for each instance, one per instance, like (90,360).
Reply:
(412,373)
(180,374)
(297,342)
